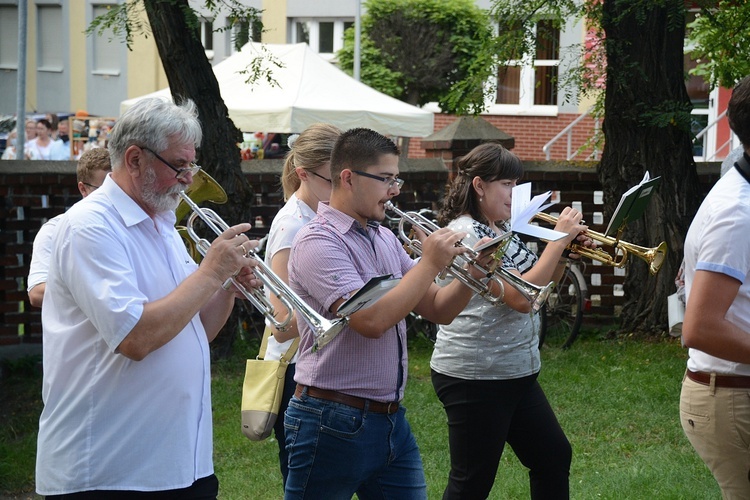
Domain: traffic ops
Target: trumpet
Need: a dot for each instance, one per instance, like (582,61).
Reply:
(654,257)
(324,330)
(458,268)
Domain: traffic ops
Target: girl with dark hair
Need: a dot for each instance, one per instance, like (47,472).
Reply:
(486,362)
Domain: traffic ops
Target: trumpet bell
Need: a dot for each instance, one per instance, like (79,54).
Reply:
(324,330)
(203,188)
(654,257)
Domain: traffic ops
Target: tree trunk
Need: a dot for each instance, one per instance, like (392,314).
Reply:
(646,128)
(191,76)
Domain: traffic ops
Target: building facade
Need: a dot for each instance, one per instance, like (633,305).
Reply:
(68,71)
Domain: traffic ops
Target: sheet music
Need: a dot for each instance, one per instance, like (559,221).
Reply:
(523,209)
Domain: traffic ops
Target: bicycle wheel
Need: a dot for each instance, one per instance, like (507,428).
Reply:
(562,314)
(416,326)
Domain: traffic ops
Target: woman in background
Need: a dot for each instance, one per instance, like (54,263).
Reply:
(306,181)
(40,148)
(486,362)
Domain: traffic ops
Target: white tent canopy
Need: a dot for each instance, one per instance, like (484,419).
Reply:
(309,89)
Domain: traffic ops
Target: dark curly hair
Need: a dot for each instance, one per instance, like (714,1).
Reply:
(488,161)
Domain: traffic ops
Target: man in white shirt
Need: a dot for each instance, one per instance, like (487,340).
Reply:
(714,403)
(127,319)
(91,170)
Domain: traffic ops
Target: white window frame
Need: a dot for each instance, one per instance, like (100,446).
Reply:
(313,24)
(526,104)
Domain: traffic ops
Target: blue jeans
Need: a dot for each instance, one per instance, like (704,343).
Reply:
(278,427)
(336,451)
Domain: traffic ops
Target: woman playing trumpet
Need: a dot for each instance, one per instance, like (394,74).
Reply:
(486,362)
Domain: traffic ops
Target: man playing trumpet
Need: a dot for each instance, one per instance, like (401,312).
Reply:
(346,429)
(127,319)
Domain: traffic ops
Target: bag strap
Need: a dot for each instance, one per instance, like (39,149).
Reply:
(286,357)
(289,354)
(743,167)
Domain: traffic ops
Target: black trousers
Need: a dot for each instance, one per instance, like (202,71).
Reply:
(206,488)
(485,414)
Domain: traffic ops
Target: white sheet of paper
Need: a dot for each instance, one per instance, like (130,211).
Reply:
(523,208)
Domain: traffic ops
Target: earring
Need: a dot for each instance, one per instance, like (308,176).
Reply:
(480,200)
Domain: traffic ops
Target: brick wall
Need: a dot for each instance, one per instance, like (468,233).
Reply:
(531,133)
(32,192)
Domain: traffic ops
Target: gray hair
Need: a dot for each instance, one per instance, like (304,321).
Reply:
(150,123)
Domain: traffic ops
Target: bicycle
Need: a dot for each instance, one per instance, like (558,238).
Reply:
(562,314)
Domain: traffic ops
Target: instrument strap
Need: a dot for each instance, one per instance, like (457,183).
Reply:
(743,167)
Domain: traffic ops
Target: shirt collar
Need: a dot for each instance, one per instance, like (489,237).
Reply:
(129,210)
(341,221)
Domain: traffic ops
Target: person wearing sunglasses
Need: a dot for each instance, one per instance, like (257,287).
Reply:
(127,319)
(92,168)
(346,430)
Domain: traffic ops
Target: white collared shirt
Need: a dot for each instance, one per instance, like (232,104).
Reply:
(719,241)
(110,422)
(42,252)
(288,221)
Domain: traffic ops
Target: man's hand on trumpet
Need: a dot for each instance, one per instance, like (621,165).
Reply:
(227,258)
(441,246)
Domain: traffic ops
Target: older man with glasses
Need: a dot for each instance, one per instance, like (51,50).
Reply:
(127,319)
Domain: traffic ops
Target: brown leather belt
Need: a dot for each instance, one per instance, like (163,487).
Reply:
(729,381)
(346,399)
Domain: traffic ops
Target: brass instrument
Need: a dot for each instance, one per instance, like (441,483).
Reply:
(654,257)
(536,295)
(203,188)
(324,330)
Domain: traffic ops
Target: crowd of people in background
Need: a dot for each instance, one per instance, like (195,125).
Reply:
(49,138)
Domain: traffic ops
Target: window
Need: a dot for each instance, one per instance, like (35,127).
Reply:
(243,32)
(533,84)
(207,37)
(49,34)
(207,34)
(324,36)
(8,37)
(106,56)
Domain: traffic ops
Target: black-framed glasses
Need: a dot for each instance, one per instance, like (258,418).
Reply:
(388,181)
(318,175)
(92,186)
(181,172)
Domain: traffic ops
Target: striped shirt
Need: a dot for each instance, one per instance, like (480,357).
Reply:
(333,256)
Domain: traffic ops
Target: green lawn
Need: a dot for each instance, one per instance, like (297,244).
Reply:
(616,400)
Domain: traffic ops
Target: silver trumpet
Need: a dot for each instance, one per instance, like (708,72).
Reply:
(324,329)
(458,268)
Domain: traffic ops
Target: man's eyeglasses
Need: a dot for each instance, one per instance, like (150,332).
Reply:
(388,181)
(181,172)
(318,175)
(91,186)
